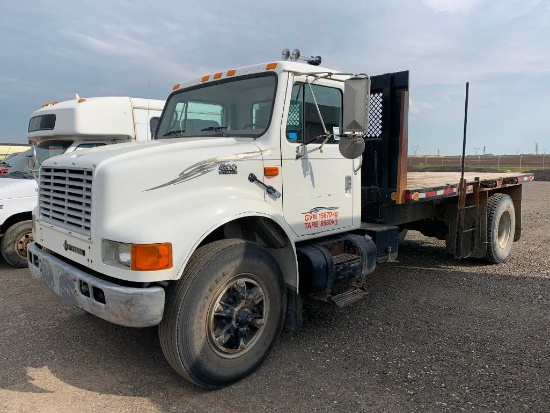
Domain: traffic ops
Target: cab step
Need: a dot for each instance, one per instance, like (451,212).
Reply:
(348,297)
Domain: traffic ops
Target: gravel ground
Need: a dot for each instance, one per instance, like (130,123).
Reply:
(434,335)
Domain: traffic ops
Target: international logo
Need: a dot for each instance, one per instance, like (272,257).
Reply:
(72,248)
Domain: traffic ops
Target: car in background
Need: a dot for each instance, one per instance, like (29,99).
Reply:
(5,165)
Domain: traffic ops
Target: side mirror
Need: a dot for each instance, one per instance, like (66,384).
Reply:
(356,100)
(153,123)
(32,159)
(356,91)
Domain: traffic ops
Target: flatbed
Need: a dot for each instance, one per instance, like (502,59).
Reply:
(433,185)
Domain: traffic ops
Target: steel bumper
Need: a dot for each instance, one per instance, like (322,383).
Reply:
(127,306)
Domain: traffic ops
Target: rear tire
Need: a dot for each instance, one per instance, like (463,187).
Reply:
(501,226)
(14,244)
(224,316)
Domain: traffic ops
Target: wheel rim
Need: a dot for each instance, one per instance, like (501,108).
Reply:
(237,316)
(504,229)
(21,243)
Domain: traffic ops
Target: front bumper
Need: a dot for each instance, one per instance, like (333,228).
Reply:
(126,306)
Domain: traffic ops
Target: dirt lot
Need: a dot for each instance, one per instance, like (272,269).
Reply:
(434,335)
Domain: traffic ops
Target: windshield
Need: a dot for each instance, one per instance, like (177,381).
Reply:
(47,149)
(232,107)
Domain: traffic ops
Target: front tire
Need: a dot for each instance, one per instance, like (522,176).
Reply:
(14,243)
(501,226)
(224,316)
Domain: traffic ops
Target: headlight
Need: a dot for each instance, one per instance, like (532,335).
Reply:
(116,253)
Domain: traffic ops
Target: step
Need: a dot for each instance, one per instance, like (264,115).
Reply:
(349,297)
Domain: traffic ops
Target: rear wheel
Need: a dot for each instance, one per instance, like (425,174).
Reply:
(224,316)
(14,243)
(501,226)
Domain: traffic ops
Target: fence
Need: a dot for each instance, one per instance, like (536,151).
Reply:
(521,163)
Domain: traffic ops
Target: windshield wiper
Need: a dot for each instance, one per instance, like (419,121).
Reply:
(175,132)
(217,129)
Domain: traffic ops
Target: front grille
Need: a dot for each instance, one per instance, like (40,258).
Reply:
(65,198)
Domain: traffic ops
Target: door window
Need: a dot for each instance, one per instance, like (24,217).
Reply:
(304,123)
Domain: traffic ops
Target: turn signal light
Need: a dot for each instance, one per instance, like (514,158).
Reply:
(271,171)
(151,257)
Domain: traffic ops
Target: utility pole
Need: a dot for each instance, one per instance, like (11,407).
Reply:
(476,150)
(415,149)
(536,148)
(517,151)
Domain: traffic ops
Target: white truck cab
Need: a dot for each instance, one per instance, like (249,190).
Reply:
(65,127)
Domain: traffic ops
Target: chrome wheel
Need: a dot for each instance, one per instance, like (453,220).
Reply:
(237,316)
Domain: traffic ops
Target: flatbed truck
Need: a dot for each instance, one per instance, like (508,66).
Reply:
(265,184)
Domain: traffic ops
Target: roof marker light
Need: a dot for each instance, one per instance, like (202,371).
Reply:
(176,86)
(218,75)
(271,66)
(205,78)
(231,72)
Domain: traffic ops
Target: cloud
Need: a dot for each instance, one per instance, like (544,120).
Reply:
(452,6)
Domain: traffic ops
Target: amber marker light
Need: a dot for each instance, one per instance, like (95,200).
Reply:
(205,78)
(218,75)
(151,257)
(231,72)
(176,86)
(271,66)
(271,171)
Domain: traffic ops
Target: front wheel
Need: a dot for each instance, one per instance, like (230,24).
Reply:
(501,226)
(223,318)
(14,243)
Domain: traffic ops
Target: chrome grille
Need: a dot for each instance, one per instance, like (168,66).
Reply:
(65,198)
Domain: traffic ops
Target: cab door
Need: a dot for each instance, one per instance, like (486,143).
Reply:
(317,187)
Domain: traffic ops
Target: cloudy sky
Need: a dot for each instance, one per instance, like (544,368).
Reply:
(52,49)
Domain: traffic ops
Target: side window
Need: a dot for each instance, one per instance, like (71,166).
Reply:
(304,124)
(88,145)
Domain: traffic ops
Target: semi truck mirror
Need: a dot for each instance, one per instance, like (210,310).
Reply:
(31,159)
(356,91)
(153,124)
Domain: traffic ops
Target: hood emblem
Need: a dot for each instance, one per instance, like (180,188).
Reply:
(208,165)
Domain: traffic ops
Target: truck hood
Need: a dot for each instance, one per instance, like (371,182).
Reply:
(158,161)
(17,188)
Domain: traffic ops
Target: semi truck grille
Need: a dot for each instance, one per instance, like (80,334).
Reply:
(65,198)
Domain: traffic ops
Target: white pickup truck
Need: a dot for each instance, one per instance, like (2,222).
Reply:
(65,127)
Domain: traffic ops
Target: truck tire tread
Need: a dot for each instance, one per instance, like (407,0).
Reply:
(9,240)
(185,292)
(499,204)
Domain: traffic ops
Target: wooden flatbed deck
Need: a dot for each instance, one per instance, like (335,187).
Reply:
(431,185)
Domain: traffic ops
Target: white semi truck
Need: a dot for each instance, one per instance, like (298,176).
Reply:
(263,186)
(65,127)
